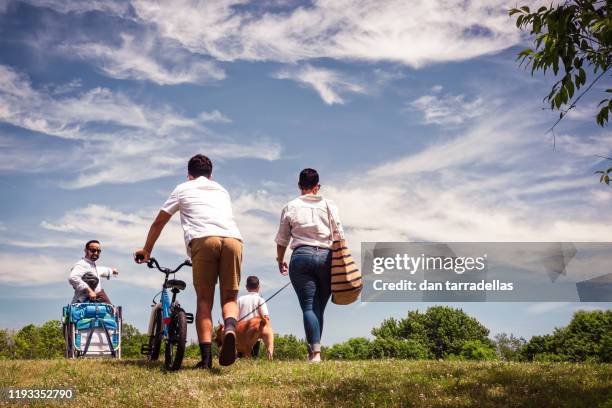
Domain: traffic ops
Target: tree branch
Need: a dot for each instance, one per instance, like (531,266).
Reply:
(573,105)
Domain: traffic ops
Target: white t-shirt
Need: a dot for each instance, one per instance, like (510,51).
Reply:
(206,210)
(247,303)
(305,221)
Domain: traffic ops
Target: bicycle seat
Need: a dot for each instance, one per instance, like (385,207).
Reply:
(176,284)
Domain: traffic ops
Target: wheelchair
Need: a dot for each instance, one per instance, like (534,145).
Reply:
(92,330)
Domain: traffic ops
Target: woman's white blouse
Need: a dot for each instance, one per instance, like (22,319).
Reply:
(304,221)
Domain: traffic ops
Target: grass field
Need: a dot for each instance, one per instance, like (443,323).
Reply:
(132,383)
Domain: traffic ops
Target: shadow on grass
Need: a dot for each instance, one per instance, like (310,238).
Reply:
(516,386)
(483,387)
(159,366)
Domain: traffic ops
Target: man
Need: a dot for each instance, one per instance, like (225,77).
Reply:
(85,275)
(214,243)
(253,305)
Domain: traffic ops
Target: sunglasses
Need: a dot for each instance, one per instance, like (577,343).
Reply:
(95,251)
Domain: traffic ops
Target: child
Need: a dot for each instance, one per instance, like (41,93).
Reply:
(252,305)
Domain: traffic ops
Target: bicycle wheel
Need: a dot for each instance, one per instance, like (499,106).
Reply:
(155,338)
(177,337)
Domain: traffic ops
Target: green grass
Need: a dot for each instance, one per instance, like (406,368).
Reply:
(133,383)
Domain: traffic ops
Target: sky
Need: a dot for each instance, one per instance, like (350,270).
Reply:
(416,114)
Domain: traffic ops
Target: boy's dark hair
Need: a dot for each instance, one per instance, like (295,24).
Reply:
(308,179)
(252,282)
(91,241)
(199,165)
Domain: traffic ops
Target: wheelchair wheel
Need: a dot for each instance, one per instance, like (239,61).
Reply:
(177,337)
(120,328)
(156,338)
(69,340)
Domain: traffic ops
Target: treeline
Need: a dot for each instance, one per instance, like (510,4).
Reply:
(446,333)
(439,333)
(47,341)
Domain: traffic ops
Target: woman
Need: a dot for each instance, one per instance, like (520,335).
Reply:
(305,221)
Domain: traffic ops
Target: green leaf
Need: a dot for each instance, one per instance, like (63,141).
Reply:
(557,100)
(582,75)
(570,87)
(563,95)
(525,9)
(602,116)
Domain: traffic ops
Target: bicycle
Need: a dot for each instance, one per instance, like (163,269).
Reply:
(168,321)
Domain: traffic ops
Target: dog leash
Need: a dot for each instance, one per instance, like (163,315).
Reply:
(275,293)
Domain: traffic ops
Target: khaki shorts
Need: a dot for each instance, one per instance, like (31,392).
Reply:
(214,257)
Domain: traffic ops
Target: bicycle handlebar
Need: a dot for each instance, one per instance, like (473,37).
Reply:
(154,264)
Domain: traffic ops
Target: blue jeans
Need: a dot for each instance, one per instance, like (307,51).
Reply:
(310,274)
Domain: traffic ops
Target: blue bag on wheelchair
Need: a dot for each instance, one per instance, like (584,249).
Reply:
(92,329)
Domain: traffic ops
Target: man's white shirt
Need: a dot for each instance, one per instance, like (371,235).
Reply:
(249,302)
(205,208)
(80,287)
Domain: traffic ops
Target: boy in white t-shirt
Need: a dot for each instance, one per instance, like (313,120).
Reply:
(253,305)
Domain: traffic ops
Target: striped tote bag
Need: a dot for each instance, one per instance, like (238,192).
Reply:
(345,276)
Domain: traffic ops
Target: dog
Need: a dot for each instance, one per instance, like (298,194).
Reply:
(248,332)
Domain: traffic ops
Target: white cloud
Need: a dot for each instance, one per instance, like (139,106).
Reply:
(447,109)
(413,33)
(548,307)
(143,58)
(69,87)
(328,83)
(166,138)
(583,112)
(113,7)
(476,144)
(214,116)
(496,181)
(586,145)
(31,270)
(120,230)
(540,308)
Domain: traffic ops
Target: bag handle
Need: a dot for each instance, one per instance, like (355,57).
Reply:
(333,226)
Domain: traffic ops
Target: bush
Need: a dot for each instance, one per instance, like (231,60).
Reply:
(131,341)
(358,348)
(605,349)
(46,341)
(477,350)
(399,348)
(7,348)
(288,347)
(508,347)
(586,338)
(441,329)
(549,358)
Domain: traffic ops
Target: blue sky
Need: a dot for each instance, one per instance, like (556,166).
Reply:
(415,114)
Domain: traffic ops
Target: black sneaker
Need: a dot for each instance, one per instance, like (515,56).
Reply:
(205,364)
(201,365)
(227,355)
